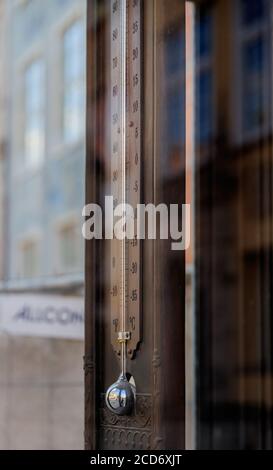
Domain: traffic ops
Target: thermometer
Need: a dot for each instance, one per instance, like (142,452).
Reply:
(126,136)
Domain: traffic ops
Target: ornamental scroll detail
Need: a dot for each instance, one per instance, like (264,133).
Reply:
(127,432)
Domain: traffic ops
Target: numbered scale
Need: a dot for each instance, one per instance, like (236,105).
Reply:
(126,90)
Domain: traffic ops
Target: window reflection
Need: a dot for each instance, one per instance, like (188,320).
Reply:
(29,259)
(255,67)
(69,244)
(34,113)
(204,41)
(74,97)
(205,105)
(253,11)
(175,95)
(233,220)
(204,73)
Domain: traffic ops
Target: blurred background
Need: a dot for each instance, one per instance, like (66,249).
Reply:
(42,158)
(229,278)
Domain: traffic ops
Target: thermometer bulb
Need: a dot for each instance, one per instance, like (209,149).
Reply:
(120,397)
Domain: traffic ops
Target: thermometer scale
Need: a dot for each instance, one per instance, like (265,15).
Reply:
(126,86)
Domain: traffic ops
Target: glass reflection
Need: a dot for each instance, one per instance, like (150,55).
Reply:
(233,181)
(220,149)
(74,101)
(34,114)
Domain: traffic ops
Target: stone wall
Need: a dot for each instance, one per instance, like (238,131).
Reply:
(41,394)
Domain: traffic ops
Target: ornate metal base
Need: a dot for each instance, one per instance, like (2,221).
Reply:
(127,432)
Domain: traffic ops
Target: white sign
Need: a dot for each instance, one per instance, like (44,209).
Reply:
(45,316)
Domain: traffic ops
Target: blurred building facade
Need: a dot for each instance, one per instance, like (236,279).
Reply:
(229,184)
(233,204)
(2,132)
(41,385)
(47,102)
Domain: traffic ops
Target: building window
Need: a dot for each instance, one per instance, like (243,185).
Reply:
(174,116)
(205,105)
(204,75)
(74,90)
(34,138)
(253,70)
(255,53)
(29,257)
(253,11)
(204,33)
(69,244)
